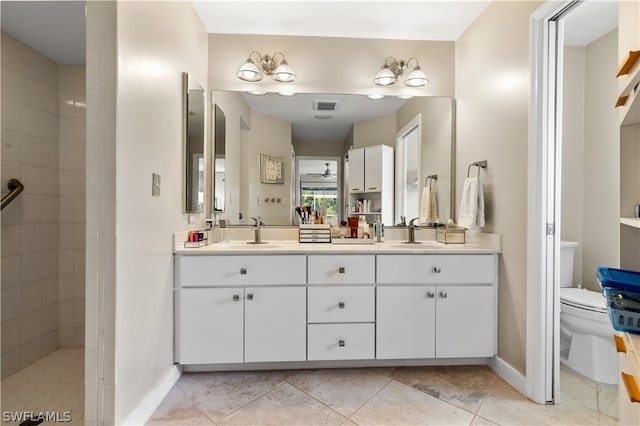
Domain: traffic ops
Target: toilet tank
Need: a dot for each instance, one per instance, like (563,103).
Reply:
(567,252)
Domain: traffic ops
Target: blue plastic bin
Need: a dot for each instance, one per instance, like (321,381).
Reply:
(621,288)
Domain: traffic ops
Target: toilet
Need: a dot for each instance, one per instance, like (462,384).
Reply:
(586,334)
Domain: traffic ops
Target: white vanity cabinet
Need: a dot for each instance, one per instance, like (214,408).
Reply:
(221,321)
(436,306)
(341,307)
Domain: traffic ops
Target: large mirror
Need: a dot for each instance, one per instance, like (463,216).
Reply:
(310,135)
(219,164)
(193,145)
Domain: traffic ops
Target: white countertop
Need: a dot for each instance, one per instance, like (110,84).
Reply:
(481,243)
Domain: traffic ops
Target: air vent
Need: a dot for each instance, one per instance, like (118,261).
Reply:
(325,105)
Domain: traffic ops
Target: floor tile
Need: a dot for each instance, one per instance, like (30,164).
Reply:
(284,405)
(399,404)
(178,409)
(504,405)
(462,386)
(343,390)
(607,399)
(577,389)
(219,394)
(481,421)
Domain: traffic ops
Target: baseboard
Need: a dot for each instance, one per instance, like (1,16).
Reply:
(148,405)
(509,374)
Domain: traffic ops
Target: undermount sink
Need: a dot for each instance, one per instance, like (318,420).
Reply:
(250,245)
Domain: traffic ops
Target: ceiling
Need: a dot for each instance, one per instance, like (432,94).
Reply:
(397,20)
(54,28)
(589,21)
(299,111)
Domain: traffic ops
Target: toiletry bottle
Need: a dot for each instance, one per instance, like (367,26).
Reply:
(361,222)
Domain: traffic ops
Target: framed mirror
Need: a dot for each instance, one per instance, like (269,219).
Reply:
(219,163)
(301,128)
(193,144)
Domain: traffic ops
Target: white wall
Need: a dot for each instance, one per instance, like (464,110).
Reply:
(590,157)
(573,127)
(601,160)
(157,42)
(375,131)
(492,107)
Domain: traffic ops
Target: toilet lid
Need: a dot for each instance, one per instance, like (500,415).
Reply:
(583,298)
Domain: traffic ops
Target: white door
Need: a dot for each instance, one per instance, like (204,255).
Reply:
(405,323)
(465,325)
(210,325)
(356,170)
(373,169)
(275,324)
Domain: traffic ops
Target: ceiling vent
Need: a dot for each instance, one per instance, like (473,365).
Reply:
(325,105)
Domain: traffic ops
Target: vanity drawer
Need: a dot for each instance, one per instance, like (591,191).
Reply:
(344,269)
(340,341)
(341,304)
(200,271)
(436,268)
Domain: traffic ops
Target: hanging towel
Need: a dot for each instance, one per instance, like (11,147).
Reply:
(472,204)
(428,206)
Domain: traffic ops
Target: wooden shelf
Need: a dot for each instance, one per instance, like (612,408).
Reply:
(628,63)
(630,221)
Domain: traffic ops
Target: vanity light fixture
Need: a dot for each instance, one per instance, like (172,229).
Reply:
(375,96)
(274,65)
(404,97)
(287,94)
(392,69)
(257,92)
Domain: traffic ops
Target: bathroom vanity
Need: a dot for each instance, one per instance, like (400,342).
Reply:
(241,306)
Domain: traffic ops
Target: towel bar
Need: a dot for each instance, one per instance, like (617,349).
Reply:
(479,165)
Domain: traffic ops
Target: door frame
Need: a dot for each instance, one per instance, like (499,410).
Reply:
(543,223)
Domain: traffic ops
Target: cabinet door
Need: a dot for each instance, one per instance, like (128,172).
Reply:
(405,322)
(465,321)
(275,324)
(356,170)
(373,169)
(210,325)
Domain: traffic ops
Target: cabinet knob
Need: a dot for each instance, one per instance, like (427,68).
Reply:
(342,270)
(443,294)
(341,343)
(250,296)
(236,297)
(436,269)
(341,305)
(243,271)
(431,294)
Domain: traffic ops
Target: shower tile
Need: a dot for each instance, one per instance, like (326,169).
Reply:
(10,335)
(50,263)
(50,183)
(66,209)
(30,352)
(30,327)
(65,337)
(79,184)
(10,145)
(50,235)
(66,180)
(50,342)
(79,78)
(11,114)
(30,153)
(31,267)
(10,239)
(10,365)
(11,82)
(66,157)
(30,238)
(78,315)
(10,271)
(65,79)
(66,103)
(78,336)
(31,179)
(31,92)
(10,303)
(31,298)
(50,291)
(66,313)
(65,264)
(79,288)
(31,208)
(50,127)
(30,121)
(80,154)
(66,130)
(50,209)
(50,320)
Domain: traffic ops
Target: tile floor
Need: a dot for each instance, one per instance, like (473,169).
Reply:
(465,395)
(53,384)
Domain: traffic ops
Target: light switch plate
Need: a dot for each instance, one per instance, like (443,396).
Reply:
(155,184)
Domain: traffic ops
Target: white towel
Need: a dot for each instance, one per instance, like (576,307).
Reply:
(472,204)
(428,206)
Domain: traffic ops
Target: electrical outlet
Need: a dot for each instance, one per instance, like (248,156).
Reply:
(155,184)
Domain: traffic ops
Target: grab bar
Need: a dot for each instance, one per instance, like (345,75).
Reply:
(15,188)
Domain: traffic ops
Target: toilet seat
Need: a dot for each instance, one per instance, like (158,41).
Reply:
(583,299)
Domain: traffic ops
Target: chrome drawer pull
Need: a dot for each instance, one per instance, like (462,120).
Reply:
(250,296)
(243,271)
(341,270)
(443,294)
(431,294)
(341,343)
(436,269)
(236,297)
(341,305)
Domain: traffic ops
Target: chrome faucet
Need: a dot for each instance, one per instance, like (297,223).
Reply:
(256,236)
(412,232)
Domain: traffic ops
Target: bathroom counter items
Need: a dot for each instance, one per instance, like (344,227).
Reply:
(476,243)
(628,347)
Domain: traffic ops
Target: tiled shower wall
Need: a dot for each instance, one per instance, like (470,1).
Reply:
(30,231)
(43,229)
(72,204)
